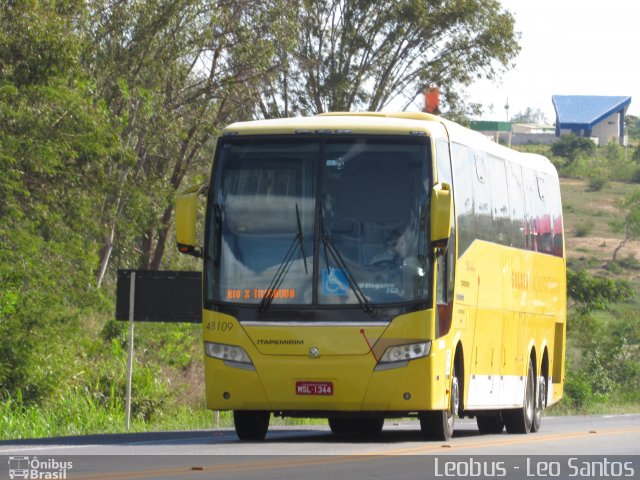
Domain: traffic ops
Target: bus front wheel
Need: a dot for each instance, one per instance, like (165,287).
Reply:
(438,425)
(251,425)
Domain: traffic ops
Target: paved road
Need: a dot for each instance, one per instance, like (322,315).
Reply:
(312,452)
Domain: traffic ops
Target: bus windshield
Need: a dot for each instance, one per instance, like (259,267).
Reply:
(319,221)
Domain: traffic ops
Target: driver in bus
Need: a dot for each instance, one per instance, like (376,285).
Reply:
(396,249)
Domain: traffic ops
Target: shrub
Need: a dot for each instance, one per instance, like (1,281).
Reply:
(635,177)
(614,267)
(570,146)
(613,151)
(630,262)
(584,228)
(577,389)
(597,183)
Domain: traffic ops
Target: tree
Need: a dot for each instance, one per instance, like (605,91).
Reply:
(353,55)
(588,293)
(607,350)
(571,146)
(172,73)
(530,116)
(630,223)
(632,123)
(55,142)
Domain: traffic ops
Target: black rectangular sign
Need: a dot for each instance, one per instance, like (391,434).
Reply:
(160,296)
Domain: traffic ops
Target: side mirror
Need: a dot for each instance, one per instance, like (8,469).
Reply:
(186,215)
(441,210)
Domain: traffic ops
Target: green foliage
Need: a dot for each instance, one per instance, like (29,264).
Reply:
(571,146)
(55,145)
(582,263)
(529,116)
(613,151)
(633,126)
(597,181)
(577,389)
(590,293)
(347,55)
(77,412)
(608,363)
(190,70)
(583,229)
(630,262)
(630,224)
(36,41)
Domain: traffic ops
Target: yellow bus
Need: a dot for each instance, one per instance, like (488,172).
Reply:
(365,266)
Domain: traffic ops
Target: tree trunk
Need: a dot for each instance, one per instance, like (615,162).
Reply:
(619,247)
(162,239)
(146,243)
(105,255)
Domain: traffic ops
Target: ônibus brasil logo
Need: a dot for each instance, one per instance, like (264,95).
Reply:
(33,468)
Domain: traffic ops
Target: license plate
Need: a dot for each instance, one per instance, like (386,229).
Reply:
(314,388)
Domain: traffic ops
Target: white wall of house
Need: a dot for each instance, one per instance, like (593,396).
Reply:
(608,130)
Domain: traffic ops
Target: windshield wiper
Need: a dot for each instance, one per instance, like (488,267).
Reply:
(330,247)
(284,267)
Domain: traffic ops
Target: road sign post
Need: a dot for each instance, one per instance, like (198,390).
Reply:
(132,296)
(155,296)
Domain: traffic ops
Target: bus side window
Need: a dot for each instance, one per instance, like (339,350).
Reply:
(517,204)
(545,224)
(556,212)
(482,199)
(464,170)
(499,200)
(532,213)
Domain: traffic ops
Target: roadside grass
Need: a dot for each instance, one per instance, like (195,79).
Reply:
(74,415)
(610,406)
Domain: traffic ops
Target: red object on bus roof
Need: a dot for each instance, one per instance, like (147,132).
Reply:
(432,100)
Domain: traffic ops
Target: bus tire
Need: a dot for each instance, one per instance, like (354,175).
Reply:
(356,426)
(438,424)
(492,423)
(540,402)
(520,420)
(251,425)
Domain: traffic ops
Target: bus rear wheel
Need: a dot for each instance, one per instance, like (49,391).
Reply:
(541,398)
(521,420)
(356,426)
(251,425)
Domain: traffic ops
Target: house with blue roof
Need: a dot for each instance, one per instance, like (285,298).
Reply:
(597,117)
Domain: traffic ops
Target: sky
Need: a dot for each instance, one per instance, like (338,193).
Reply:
(568,47)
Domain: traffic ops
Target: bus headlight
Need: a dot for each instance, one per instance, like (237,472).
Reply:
(399,355)
(232,355)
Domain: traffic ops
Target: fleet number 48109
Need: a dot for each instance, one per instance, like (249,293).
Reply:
(218,326)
